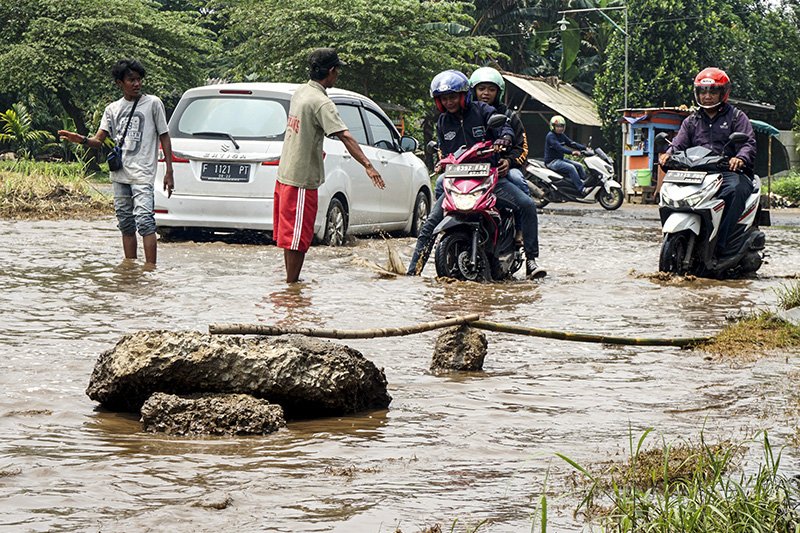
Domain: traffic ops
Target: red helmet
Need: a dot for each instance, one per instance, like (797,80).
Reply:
(713,78)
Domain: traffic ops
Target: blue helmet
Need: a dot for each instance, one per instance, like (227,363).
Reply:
(450,81)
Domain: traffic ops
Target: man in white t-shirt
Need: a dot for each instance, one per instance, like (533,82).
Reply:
(138,123)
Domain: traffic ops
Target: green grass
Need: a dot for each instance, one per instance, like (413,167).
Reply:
(690,489)
(788,296)
(63,172)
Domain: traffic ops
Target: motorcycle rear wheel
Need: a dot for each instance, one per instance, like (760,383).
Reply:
(610,199)
(673,253)
(452,258)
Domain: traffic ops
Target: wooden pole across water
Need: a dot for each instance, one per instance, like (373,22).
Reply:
(263,329)
(472,320)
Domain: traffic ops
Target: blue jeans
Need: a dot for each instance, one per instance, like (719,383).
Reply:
(133,205)
(514,175)
(570,169)
(735,190)
(508,195)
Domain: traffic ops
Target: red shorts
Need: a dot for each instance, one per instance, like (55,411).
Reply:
(293,215)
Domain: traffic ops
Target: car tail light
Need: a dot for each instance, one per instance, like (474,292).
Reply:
(161,211)
(234,91)
(271,162)
(174,158)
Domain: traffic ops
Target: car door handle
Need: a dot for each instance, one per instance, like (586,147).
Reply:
(384,161)
(347,157)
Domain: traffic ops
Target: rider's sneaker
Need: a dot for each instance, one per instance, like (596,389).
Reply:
(534,271)
(585,191)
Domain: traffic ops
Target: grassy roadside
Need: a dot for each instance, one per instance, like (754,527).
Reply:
(42,190)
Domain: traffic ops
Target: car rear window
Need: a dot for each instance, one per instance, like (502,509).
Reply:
(243,118)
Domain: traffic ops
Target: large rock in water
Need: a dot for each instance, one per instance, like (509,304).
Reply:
(307,377)
(459,348)
(210,414)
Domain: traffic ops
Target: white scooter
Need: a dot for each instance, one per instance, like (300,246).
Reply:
(691,215)
(549,186)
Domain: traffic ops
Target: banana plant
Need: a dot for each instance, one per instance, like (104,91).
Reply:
(16,130)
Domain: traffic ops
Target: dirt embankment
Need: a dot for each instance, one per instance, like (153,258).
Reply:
(51,200)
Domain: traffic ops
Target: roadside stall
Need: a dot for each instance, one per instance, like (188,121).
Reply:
(641,175)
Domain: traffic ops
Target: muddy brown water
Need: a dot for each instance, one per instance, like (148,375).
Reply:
(466,447)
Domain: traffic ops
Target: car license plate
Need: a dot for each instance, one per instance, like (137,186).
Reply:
(225,172)
(684,176)
(467,170)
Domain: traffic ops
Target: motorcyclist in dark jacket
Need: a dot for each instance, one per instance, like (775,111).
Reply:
(710,126)
(488,86)
(556,146)
(463,123)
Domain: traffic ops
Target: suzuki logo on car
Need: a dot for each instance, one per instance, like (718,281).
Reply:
(223,155)
(225,148)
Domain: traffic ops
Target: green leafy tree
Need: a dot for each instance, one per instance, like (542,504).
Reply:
(671,40)
(66,49)
(392,47)
(16,130)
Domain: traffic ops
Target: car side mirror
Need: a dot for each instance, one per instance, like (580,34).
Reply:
(408,144)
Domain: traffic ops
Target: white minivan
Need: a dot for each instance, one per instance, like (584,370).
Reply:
(226,145)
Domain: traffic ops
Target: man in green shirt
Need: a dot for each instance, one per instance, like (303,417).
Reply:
(312,116)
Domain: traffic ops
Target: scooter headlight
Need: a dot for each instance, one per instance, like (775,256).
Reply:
(693,200)
(467,201)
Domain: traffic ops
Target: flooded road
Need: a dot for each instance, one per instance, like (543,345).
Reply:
(466,447)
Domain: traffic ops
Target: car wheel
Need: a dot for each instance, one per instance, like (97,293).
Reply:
(167,234)
(422,208)
(335,224)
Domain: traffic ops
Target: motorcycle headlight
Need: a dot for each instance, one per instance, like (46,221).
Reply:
(700,196)
(466,202)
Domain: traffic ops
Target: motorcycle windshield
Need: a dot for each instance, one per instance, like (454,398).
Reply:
(696,157)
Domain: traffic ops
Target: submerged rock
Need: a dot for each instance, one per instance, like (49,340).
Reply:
(307,377)
(460,348)
(210,414)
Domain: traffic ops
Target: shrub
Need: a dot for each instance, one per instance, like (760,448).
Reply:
(788,187)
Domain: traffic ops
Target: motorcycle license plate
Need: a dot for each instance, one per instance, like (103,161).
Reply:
(467,170)
(684,176)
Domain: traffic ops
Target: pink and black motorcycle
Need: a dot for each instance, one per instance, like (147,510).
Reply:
(477,238)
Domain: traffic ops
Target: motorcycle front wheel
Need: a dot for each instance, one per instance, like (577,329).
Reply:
(453,254)
(610,199)
(673,253)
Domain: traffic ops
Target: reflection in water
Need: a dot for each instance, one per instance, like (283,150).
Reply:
(454,446)
(292,306)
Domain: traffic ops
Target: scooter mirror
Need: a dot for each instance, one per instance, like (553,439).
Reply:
(496,120)
(738,137)
(431,147)
(661,140)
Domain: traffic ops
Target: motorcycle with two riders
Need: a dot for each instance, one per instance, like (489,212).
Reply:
(476,240)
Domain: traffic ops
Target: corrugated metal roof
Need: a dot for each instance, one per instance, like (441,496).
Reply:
(565,99)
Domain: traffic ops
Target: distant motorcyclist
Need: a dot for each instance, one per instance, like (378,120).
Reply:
(556,145)
(463,122)
(710,126)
